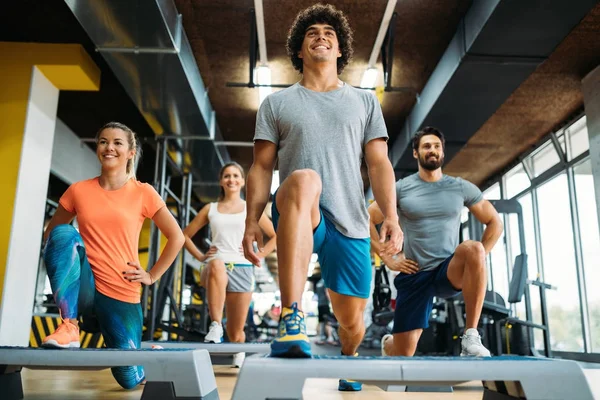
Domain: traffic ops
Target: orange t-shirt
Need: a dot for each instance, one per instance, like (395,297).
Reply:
(110,222)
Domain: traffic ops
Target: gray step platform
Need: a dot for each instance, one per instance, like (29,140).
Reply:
(214,348)
(263,377)
(170,374)
(220,353)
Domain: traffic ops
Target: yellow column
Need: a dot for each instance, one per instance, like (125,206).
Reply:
(31,77)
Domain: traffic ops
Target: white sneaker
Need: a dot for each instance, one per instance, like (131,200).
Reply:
(215,333)
(383,340)
(471,344)
(238,360)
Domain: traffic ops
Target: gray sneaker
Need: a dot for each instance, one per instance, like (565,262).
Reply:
(471,345)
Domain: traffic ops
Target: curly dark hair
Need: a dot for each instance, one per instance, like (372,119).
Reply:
(320,14)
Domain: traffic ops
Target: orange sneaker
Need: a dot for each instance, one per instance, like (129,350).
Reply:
(66,336)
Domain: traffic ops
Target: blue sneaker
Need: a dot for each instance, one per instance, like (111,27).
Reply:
(291,340)
(347,385)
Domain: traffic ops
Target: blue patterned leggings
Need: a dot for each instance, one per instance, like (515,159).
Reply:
(75,294)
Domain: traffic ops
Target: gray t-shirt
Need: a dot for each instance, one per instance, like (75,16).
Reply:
(325,132)
(430,216)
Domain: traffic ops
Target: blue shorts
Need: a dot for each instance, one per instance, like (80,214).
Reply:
(345,262)
(415,296)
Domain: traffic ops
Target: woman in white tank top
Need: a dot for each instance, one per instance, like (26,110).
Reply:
(229,278)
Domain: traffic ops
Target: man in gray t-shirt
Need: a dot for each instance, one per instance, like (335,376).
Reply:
(433,263)
(321,129)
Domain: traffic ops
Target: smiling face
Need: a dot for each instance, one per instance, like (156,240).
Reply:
(113,149)
(320,45)
(431,153)
(232,180)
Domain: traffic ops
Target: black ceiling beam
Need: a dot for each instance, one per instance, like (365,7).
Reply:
(253,56)
(387,53)
(387,60)
(253,49)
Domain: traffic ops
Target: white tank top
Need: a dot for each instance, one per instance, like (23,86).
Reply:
(227,231)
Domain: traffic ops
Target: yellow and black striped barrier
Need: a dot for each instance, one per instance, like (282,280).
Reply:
(45,325)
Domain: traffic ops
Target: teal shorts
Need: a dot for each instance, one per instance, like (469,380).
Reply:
(345,262)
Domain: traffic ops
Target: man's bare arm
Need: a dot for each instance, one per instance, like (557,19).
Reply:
(376,218)
(259,178)
(381,175)
(485,213)
(257,195)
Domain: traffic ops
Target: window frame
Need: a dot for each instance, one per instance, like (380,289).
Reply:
(567,166)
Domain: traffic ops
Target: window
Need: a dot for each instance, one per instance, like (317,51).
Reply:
(542,159)
(588,226)
(532,268)
(499,267)
(516,181)
(550,239)
(493,192)
(578,138)
(464,215)
(561,142)
(275,181)
(527,207)
(465,232)
(496,260)
(464,225)
(559,264)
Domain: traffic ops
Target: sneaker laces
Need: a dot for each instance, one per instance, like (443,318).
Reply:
(293,320)
(64,323)
(66,327)
(475,338)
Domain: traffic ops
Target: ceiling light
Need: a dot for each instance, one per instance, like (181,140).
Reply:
(263,77)
(369,78)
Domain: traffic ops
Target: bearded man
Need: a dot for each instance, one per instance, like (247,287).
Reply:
(432,263)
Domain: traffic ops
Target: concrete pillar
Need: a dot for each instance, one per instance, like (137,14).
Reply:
(31,76)
(82,162)
(591,100)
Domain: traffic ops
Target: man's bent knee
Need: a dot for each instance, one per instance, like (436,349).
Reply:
(472,250)
(352,324)
(302,183)
(405,343)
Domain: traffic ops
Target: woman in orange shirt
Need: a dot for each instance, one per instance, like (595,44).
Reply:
(96,270)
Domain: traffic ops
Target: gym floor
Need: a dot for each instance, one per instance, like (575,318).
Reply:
(71,385)
(77,385)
